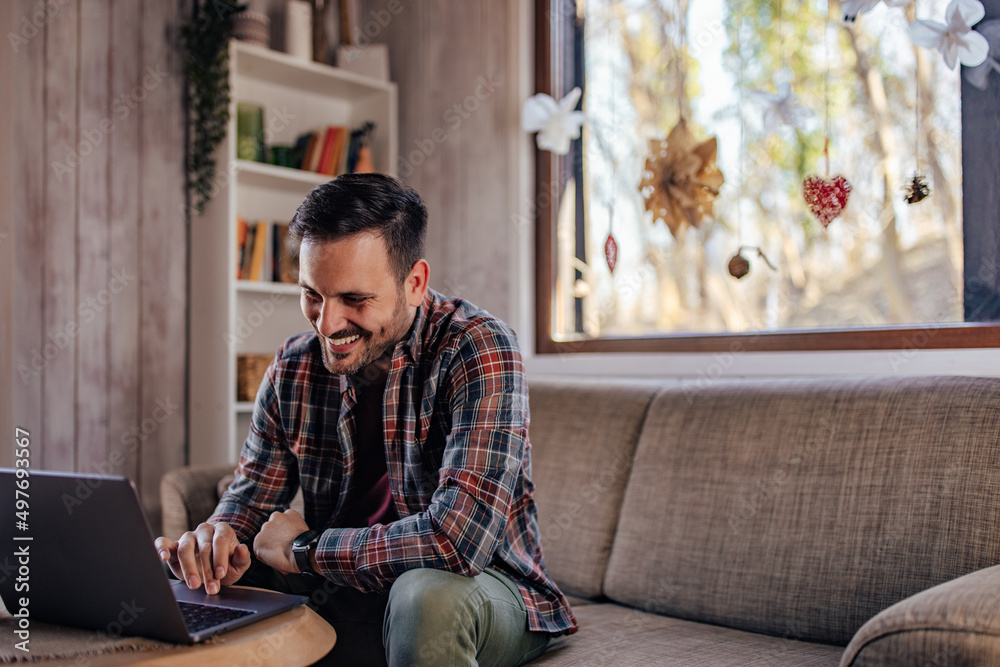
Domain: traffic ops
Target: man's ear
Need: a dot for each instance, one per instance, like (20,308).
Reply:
(416,283)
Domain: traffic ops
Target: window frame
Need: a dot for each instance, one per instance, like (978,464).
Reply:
(981,235)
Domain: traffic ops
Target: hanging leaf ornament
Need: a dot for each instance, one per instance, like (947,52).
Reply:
(557,123)
(681,179)
(611,252)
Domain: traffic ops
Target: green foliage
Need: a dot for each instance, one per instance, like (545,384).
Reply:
(206,63)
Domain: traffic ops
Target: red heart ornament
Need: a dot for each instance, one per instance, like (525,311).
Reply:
(826,197)
(611,252)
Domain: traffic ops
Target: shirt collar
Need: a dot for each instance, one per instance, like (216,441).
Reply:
(413,345)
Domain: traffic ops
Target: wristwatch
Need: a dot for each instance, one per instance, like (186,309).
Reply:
(302,548)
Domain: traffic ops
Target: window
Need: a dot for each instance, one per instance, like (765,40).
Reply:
(883,275)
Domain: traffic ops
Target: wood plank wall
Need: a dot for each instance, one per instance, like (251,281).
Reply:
(100,275)
(457,108)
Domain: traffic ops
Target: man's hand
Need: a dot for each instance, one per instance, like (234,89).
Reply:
(210,554)
(273,544)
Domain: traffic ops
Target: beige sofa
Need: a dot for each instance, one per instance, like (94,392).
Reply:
(769,522)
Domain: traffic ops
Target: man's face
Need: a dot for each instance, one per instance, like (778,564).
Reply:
(353,299)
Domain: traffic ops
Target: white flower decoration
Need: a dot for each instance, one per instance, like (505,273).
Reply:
(557,123)
(979,76)
(955,39)
(782,108)
(852,8)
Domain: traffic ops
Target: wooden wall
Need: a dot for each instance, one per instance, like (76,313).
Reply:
(100,234)
(458,107)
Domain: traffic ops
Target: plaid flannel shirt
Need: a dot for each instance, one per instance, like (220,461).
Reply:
(455,415)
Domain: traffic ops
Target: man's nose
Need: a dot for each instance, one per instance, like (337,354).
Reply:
(332,318)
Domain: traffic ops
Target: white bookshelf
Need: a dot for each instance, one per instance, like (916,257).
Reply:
(228,316)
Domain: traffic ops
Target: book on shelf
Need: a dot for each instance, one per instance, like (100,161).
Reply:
(241,243)
(259,251)
(313,150)
(246,253)
(287,264)
(265,252)
(301,149)
(332,150)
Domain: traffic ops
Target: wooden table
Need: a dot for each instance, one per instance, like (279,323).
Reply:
(295,638)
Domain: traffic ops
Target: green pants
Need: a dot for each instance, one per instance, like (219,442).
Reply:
(428,617)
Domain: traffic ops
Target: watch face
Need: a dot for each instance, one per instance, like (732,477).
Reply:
(301,546)
(304,539)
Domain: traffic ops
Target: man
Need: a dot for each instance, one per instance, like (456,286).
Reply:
(404,419)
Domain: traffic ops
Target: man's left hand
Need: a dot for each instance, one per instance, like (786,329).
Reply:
(273,544)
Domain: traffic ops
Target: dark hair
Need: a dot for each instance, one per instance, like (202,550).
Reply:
(354,203)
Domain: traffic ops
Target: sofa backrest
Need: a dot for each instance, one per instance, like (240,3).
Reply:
(801,508)
(583,435)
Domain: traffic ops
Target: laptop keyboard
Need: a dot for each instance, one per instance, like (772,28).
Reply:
(199,617)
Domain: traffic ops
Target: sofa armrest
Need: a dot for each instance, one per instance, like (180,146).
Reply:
(189,495)
(954,623)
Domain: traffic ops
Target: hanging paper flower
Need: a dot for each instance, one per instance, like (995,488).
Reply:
(852,8)
(782,108)
(681,180)
(557,123)
(955,39)
(979,76)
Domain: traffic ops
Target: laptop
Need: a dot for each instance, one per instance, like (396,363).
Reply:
(80,552)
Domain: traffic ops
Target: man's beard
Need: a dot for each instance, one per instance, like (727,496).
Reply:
(373,346)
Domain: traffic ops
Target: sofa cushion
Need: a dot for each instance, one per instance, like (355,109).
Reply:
(583,435)
(955,623)
(614,635)
(802,508)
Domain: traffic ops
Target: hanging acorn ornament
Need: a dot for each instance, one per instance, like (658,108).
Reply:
(739,265)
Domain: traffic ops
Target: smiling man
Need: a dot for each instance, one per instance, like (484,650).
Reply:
(403,417)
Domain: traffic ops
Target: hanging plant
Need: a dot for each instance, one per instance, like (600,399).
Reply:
(206,63)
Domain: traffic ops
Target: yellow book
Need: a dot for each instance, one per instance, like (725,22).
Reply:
(260,244)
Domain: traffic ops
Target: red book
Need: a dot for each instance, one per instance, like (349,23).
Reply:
(338,142)
(328,144)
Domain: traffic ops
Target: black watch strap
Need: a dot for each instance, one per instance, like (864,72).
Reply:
(302,548)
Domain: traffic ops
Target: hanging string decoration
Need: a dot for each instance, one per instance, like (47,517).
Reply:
(681,179)
(781,107)
(917,189)
(824,196)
